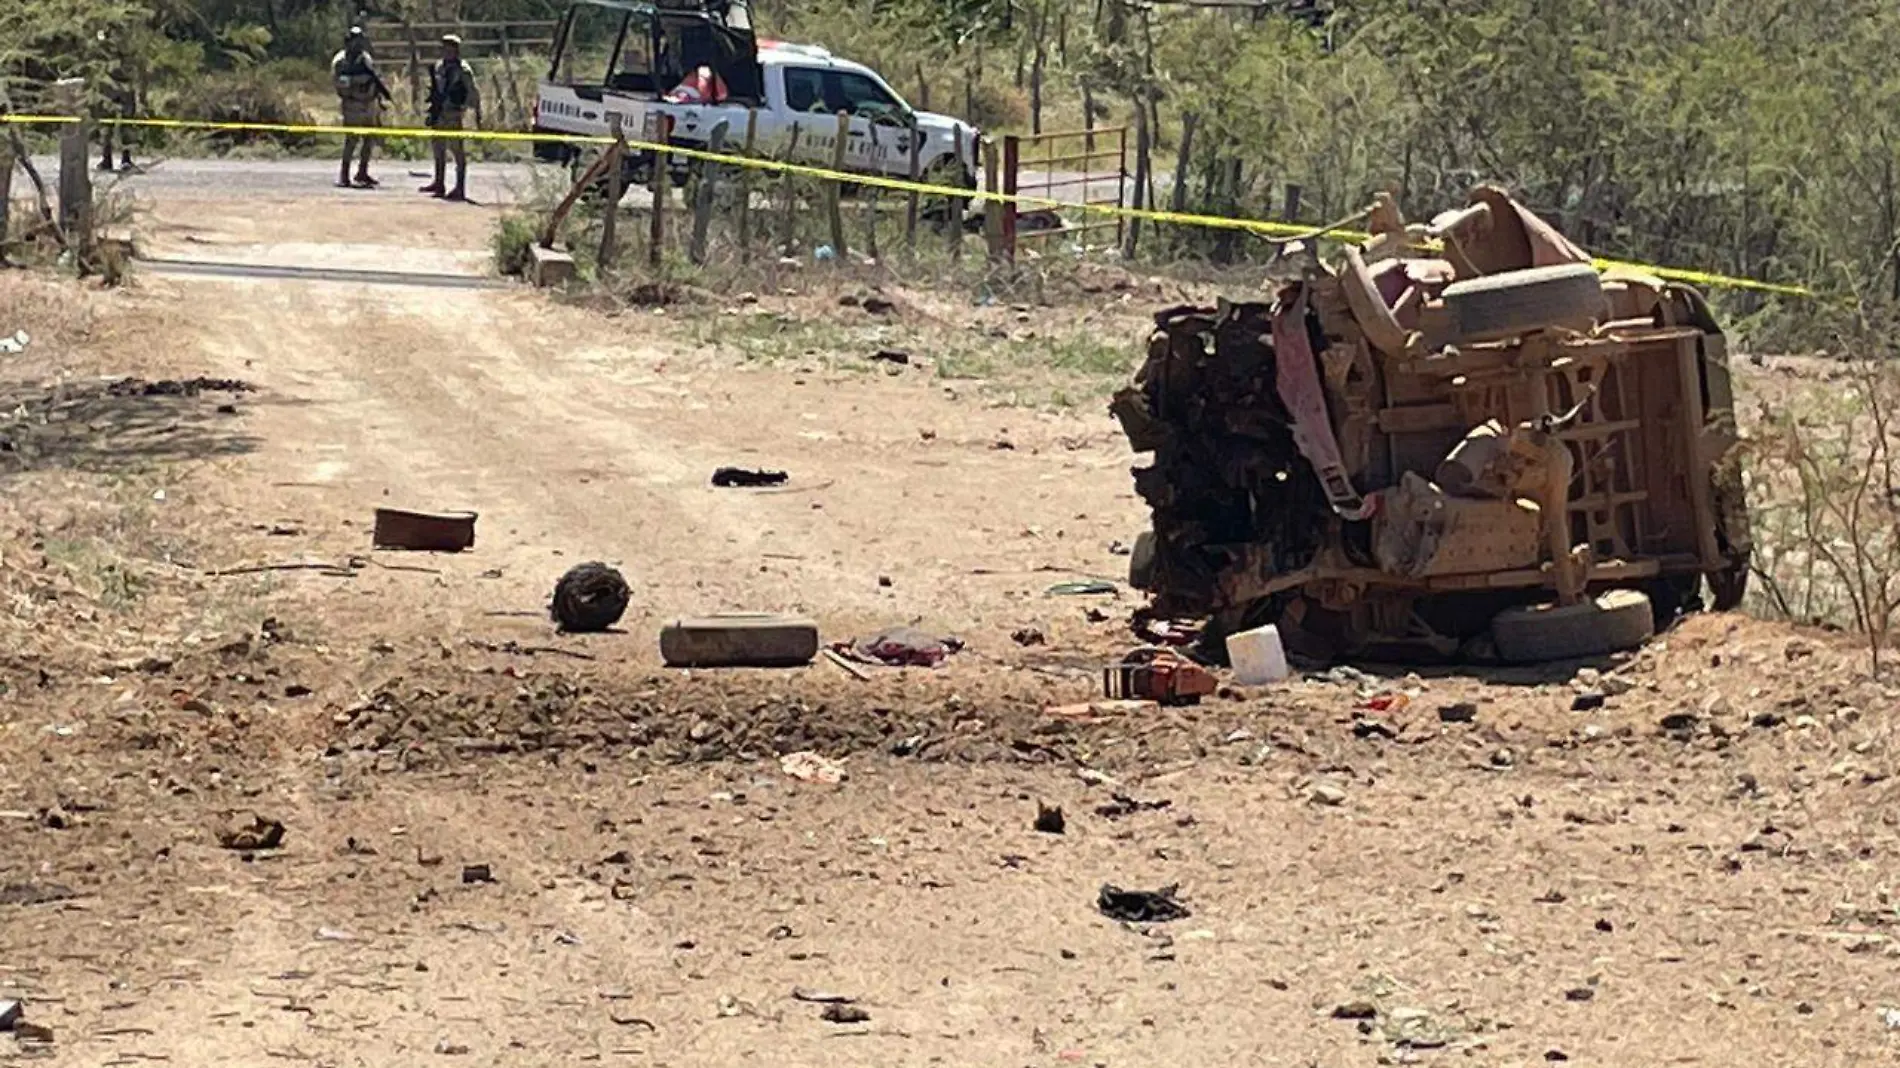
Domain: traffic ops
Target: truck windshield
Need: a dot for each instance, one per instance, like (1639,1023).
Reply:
(588,46)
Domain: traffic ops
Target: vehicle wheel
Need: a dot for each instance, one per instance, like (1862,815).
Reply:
(945,171)
(1141,561)
(1513,302)
(1729,586)
(1608,623)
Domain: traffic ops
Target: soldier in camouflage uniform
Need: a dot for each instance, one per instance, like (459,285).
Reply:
(359,89)
(452,95)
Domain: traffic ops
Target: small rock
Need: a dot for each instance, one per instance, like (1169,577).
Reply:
(1797,650)
(25,1032)
(477,873)
(1503,758)
(1462,712)
(701,732)
(1803,1008)
(1615,685)
(260,833)
(1890,1017)
(1372,728)
(1555,1055)
(844,1014)
(1768,720)
(1049,819)
(1330,794)
(1580,993)
(884,582)
(1606,926)
(1027,636)
(878,305)
(896,356)
(451,1049)
(1679,722)
(1587,701)
(1355,1010)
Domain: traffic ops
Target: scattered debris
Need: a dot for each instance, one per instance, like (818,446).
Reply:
(739,640)
(1588,701)
(442,532)
(838,660)
(1356,1010)
(634,1021)
(589,598)
(1159,675)
(477,873)
(25,1031)
(1386,702)
(1580,993)
(902,647)
(1088,588)
(334,934)
(821,997)
(258,834)
(451,1049)
(171,387)
(896,356)
(10,1013)
(1122,805)
(1141,906)
(1890,1017)
(748,478)
(1679,722)
(16,344)
(1374,728)
(807,766)
(844,1014)
(1100,709)
(1330,794)
(1049,819)
(1027,636)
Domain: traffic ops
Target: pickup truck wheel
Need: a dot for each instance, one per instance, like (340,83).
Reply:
(1611,622)
(1514,302)
(946,171)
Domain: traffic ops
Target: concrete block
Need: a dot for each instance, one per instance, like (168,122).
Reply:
(548,268)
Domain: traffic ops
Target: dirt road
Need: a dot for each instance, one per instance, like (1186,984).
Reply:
(1522,884)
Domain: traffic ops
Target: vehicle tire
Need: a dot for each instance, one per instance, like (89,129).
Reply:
(1141,561)
(1611,622)
(1513,302)
(946,171)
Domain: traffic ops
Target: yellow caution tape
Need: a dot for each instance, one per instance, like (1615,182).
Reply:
(1263,227)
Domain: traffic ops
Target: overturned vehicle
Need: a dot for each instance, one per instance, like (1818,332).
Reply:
(1460,440)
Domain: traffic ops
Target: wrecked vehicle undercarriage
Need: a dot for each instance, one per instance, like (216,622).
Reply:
(1461,440)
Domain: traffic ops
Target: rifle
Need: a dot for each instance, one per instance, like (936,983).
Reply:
(376,80)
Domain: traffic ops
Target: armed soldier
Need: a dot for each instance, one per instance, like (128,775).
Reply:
(452,95)
(360,90)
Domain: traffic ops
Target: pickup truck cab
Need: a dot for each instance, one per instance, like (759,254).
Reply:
(616,58)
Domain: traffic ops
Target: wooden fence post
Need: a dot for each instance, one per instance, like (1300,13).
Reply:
(1133,244)
(75,170)
(789,226)
(6,197)
(992,210)
(834,208)
(658,183)
(1012,162)
(706,190)
(616,188)
(952,217)
(870,205)
(745,186)
(916,140)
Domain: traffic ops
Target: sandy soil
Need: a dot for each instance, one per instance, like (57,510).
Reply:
(1700,867)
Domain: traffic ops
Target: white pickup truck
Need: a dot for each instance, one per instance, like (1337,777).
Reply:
(621,58)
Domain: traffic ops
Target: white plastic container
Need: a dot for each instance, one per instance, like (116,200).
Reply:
(1257,656)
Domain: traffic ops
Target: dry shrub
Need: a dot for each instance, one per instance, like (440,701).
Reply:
(1826,489)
